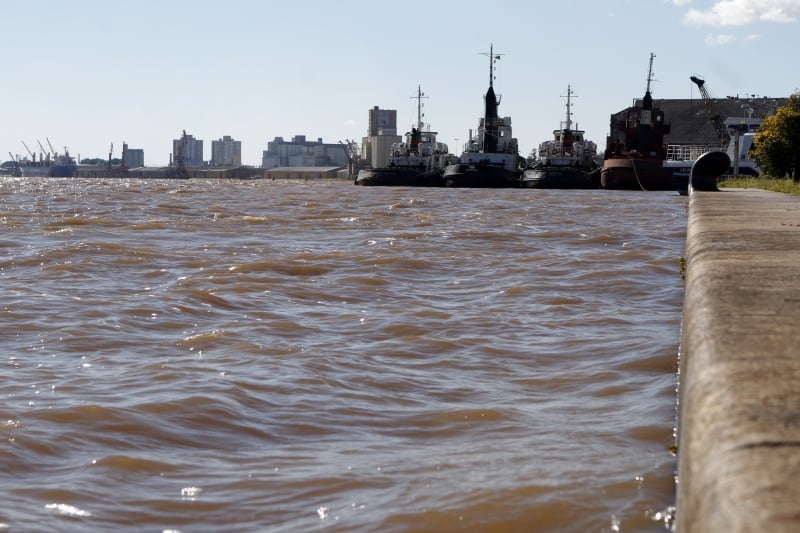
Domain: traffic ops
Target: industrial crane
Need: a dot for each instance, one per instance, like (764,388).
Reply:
(716,120)
(45,152)
(33,156)
(351,151)
(181,171)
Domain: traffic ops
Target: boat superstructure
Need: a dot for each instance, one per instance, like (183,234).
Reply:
(741,138)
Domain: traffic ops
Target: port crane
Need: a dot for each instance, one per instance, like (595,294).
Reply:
(33,156)
(44,152)
(180,172)
(716,120)
(351,151)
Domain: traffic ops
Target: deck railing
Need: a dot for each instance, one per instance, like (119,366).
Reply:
(690,152)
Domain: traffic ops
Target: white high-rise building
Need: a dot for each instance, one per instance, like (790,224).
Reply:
(226,152)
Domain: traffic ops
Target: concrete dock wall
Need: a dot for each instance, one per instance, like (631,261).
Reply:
(739,404)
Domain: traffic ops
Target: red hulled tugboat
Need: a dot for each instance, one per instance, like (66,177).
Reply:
(635,150)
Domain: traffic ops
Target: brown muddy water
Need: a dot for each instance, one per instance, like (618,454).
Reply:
(244,356)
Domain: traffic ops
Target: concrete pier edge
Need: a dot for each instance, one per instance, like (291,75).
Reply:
(739,393)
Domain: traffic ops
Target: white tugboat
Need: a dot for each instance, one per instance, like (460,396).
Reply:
(418,161)
(565,162)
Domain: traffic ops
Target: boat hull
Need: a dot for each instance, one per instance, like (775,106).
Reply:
(399,177)
(480,176)
(53,171)
(680,170)
(559,178)
(638,174)
(10,168)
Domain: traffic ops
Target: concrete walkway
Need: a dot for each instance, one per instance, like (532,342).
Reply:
(739,412)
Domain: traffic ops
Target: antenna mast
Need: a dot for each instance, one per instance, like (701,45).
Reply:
(491,64)
(650,71)
(569,110)
(420,95)
(492,59)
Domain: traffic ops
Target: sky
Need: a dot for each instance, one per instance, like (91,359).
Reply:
(85,74)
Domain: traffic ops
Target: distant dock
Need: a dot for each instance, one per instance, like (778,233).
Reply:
(237,173)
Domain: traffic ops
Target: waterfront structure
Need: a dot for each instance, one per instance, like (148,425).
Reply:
(226,152)
(192,152)
(306,173)
(737,466)
(300,152)
(381,135)
(132,157)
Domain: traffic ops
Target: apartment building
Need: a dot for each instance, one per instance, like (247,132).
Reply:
(226,152)
(193,152)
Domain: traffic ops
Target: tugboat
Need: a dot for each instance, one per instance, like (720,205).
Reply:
(635,151)
(416,162)
(566,161)
(491,157)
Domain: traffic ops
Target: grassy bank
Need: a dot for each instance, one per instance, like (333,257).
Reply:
(784,185)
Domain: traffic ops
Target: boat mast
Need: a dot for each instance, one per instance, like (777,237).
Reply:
(420,95)
(644,142)
(489,135)
(568,122)
(491,65)
(492,60)
(650,72)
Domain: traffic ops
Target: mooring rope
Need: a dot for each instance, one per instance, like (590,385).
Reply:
(636,174)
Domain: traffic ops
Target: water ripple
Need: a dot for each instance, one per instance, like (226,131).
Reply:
(238,356)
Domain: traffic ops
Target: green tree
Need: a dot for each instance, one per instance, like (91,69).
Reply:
(777,143)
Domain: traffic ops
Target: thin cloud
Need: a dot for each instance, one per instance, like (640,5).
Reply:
(718,39)
(742,12)
(681,3)
(350,122)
